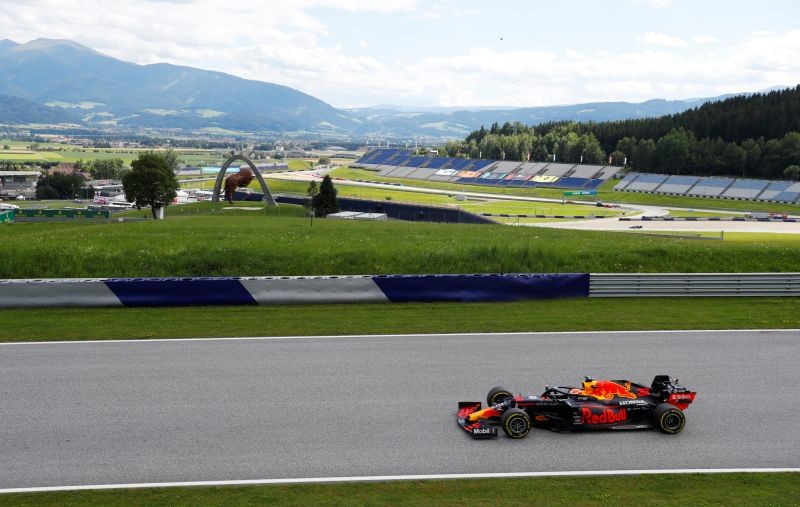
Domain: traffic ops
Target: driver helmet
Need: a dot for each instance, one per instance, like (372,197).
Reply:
(589,384)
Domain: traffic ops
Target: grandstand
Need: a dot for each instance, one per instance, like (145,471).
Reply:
(646,183)
(559,170)
(745,189)
(722,188)
(710,187)
(401,163)
(677,185)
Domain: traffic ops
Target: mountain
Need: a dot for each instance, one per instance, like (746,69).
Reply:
(14,111)
(108,91)
(459,123)
(65,82)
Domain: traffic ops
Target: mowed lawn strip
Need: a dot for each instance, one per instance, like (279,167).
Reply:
(778,489)
(278,242)
(23,325)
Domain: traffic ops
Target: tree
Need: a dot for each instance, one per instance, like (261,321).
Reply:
(59,186)
(792,172)
(150,182)
(311,191)
(106,169)
(171,158)
(6,147)
(325,202)
(324,161)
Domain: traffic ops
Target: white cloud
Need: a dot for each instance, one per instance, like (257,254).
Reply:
(705,39)
(661,39)
(652,3)
(294,48)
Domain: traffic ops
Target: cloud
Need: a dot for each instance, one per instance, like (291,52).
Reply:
(302,48)
(705,39)
(652,3)
(661,39)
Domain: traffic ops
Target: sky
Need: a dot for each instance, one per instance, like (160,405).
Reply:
(452,53)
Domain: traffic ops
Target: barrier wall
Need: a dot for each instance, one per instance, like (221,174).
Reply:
(98,292)
(6,216)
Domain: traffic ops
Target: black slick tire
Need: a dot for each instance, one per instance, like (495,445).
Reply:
(497,394)
(669,419)
(516,423)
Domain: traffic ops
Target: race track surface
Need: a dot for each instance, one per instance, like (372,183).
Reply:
(164,411)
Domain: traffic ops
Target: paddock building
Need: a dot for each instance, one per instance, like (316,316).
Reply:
(18,183)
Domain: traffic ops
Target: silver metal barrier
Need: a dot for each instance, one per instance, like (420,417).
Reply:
(693,284)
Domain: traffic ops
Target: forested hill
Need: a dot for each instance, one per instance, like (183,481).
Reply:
(768,115)
(755,136)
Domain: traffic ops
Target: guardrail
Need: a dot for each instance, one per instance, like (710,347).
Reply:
(693,284)
(98,292)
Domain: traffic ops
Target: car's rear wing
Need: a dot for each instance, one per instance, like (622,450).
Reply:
(672,392)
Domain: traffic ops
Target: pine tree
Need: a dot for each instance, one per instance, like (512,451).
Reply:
(325,201)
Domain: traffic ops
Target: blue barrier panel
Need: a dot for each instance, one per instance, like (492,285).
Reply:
(475,288)
(180,291)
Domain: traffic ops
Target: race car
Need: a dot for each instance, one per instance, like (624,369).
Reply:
(597,404)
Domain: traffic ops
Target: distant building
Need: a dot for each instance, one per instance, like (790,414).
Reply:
(18,183)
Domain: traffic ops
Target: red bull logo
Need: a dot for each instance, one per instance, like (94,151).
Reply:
(606,416)
(606,390)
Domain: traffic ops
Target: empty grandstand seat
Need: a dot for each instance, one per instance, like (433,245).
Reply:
(646,182)
(570,182)
(627,180)
(585,171)
(745,189)
(678,184)
(710,187)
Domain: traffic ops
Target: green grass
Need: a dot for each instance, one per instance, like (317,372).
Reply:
(605,193)
(781,489)
(579,314)
(270,243)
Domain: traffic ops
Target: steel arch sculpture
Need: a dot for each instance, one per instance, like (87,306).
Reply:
(221,176)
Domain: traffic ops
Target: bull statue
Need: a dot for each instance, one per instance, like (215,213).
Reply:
(238,180)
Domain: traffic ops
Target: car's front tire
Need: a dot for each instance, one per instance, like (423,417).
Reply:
(516,423)
(497,395)
(669,419)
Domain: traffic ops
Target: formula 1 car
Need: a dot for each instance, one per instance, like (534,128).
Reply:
(597,404)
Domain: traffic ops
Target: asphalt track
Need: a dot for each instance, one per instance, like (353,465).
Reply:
(242,409)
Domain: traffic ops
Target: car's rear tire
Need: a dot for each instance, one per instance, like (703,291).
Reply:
(669,418)
(516,423)
(497,394)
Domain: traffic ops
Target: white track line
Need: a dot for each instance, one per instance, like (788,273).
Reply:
(410,335)
(385,478)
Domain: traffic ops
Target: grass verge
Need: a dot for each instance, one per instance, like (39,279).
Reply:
(589,314)
(268,242)
(662,490)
